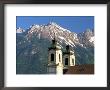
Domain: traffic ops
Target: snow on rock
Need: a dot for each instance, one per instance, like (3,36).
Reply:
(91,39)
(19,30)
(61,37)
(39,35)
(58,26)
(70,42)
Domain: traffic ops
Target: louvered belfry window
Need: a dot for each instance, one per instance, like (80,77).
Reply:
(59,58)
(52,57)
(66,61)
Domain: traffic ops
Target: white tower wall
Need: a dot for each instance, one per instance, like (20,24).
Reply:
(71,60)
(55,66)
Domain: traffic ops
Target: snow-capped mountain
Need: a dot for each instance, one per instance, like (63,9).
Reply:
(61,34)
(32,46)
(20,30)
(86,38)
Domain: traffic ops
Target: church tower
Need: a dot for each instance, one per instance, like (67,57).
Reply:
(55,65)
(68,58)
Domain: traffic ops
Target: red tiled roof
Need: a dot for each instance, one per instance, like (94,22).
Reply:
(80,69)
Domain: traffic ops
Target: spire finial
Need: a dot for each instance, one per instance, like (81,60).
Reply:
(67,47)
(54,35)
(54,39)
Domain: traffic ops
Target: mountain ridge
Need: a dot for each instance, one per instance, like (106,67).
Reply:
(35,41)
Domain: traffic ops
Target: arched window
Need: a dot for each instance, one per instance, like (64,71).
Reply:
(52,57)
(59,58)
(73,61)
(66,61)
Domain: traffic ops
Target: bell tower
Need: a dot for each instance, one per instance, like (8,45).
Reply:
(68,58)
(55,65)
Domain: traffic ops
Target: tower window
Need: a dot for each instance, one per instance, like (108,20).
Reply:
(59,57)
(66,61)
(52,57)
(73,61)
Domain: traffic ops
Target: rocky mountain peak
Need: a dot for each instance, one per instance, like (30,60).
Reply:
(63,35)
(32,46)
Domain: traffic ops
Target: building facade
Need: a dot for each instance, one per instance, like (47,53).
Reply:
(59,61)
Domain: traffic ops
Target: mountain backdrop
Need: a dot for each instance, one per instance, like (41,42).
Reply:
(32,46)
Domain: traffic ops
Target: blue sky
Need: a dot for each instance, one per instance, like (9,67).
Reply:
(73,23)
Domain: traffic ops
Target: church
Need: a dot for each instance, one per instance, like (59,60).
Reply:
(64,62)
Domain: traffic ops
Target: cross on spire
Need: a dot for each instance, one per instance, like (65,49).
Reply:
(54,35)
(54,42)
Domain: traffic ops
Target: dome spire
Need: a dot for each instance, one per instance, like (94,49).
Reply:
(54,36)
(54,42)
(68,48)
